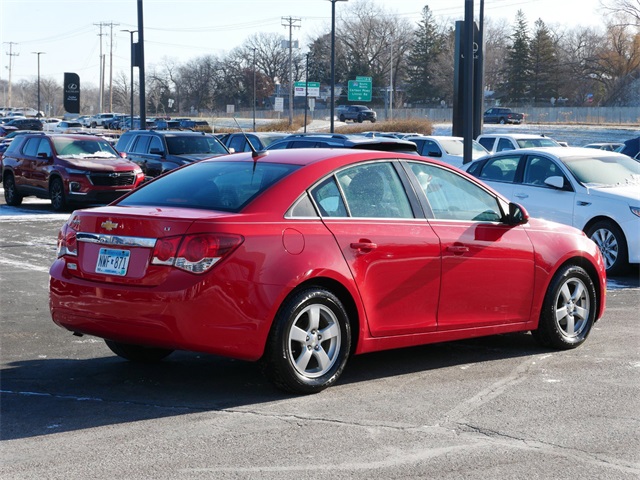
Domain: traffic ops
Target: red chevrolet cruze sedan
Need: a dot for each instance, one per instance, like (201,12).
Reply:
(300,258)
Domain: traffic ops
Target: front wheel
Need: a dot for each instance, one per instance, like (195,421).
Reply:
(309,343)
(502,121)
(568,311)
(138,353)
(612,245)
(11,195)
(359,119)
(57,195)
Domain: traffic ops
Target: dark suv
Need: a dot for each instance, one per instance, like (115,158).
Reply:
(337,140)
(67,169)
(25,124)
(160,151)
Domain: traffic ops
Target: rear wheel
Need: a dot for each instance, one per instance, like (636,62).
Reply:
(57,195)
(309,343)
(11,195)
(342,119)
(138,353)
(568,311)
(612,244)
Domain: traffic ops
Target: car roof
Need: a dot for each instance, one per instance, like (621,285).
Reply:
(514,135)
(307,156)
(170,132)
(561,152)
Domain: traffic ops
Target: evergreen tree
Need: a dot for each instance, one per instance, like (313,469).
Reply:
(518,63)
(423,57)
(544,65)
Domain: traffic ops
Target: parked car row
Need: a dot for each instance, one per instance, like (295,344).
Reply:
(581,187)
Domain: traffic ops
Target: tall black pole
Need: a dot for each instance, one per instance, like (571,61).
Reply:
(478,77)
(143,100)
(254,89)
(38,54)
(333,63)
(467,116)
(306,94)
(133,61)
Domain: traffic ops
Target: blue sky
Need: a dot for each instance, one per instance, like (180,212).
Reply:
(66,30)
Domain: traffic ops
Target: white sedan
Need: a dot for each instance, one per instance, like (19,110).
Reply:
(49,124)
(68,127)
(446,149)
(594,190)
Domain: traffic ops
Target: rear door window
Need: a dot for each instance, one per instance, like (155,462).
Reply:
(504,144)
(141,144)
(31,147)
(487,143)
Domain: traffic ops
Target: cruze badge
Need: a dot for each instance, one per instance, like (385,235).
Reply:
(109,225)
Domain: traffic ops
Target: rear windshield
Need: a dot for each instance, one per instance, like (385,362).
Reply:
(194,144)
(218,185)
(537,142)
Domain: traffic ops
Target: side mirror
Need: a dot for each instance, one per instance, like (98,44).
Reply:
(155,151)
(555,182)
(517,215)
(44,156)
(434,154)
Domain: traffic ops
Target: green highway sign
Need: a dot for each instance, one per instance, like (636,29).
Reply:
(359,90)
(312,87)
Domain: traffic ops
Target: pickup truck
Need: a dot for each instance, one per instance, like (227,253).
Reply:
(502,116)
(357,113)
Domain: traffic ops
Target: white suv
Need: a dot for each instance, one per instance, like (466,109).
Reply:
(98,120)
(501,142)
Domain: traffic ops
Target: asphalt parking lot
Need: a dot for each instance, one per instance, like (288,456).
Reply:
(493,408)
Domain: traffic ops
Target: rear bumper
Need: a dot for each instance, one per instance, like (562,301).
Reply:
(229,319)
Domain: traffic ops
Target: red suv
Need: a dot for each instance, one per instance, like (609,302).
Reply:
(67,169)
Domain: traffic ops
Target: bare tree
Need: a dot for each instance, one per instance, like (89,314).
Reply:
(496,35)
(374,43)
(618,64)
(626,11)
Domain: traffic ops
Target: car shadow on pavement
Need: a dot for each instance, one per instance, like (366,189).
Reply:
(53,395)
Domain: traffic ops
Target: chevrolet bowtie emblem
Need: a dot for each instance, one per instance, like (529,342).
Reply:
(109,225)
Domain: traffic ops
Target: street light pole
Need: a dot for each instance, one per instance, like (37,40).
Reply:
(254,89)
(333,59)
(132,62)
(38,54)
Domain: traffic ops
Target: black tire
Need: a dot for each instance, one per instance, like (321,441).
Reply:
(612,244)
(57,195)
(359,118)
(309,343)
(93,125)
(11,195)
(342,119)
(373,120)
(568,311)
(138,353)
(502,121)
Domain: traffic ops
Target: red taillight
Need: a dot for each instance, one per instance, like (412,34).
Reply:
(196,253)
(165,250)
(67,242)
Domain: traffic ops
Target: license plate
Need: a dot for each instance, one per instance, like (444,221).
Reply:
(113,262)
